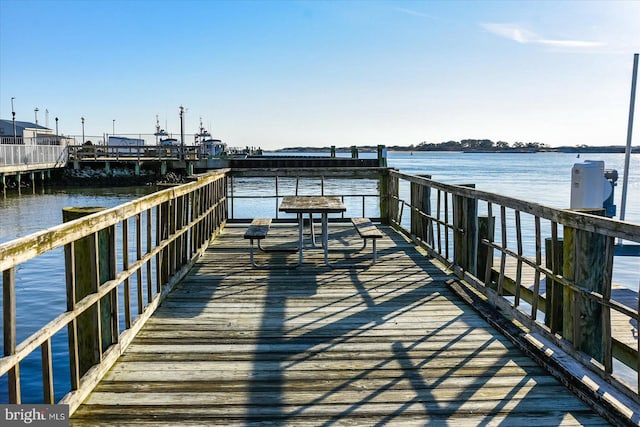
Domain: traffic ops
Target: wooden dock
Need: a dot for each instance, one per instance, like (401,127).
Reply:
(388,344)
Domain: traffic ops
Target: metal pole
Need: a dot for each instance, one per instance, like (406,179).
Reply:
(13,113)
(157,129)
(57,137)
(113,130)
(627,155)
(181,132)
(35,133)
(82,119)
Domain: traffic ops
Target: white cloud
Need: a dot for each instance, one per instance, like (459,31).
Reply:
(571,43)
(522,35)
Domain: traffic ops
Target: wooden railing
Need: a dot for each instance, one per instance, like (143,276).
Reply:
(140,152)
(511,250)
(259,191)
(128,256)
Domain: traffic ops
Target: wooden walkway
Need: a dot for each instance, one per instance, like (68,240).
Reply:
(388,344)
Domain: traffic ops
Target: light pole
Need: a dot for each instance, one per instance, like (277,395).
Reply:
(113,129)
(13,113)
(57,137)
(35,110)
(181,132)
(82,119)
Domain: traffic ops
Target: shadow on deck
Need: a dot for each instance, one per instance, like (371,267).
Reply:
(373,345)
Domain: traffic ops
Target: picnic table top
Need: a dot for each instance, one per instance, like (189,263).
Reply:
(310,204)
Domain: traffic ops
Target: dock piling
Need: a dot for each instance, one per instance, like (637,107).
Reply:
(382,156)
(587,260)
(486,231)
(90,263)
(465,233)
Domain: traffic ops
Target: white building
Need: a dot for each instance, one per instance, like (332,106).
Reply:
(28,133)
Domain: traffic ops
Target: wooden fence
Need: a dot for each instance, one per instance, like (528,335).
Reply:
(550,269)
(167,231)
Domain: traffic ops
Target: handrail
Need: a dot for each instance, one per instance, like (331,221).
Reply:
(27,157)
(140,152)
(275,183)
(181,220)
(464,227)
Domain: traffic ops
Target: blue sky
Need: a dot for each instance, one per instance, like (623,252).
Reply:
(319,73)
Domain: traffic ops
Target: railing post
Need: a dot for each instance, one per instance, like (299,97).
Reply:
(93,263)
(465,233)
(200,226)
(486,231)
(222,214)
(588,261)
(388,197)
(554,306)
(162,233)
(382,156)
(421,202)
(9,331)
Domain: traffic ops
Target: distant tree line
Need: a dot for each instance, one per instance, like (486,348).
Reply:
(474,145)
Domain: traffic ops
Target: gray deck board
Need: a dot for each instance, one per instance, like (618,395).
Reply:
(387,344)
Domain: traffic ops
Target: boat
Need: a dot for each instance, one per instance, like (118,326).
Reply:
(208,146)
(162,137)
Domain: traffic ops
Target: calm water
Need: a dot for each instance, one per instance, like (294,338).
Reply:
(542,178)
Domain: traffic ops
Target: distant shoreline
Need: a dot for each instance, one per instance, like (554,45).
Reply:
(372,149)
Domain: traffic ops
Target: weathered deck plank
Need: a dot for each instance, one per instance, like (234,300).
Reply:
(376,345)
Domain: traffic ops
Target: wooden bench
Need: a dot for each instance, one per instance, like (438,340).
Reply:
(367,230)
(257,231)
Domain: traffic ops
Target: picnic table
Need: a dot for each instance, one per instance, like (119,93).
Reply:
(323,205)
